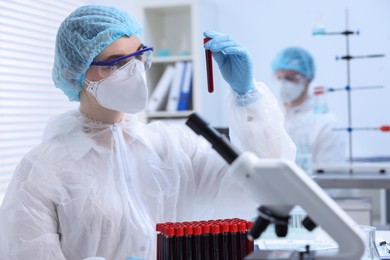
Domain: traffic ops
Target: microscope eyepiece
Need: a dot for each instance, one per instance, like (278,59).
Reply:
(219,141)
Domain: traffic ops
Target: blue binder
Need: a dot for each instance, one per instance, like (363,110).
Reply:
(185,87)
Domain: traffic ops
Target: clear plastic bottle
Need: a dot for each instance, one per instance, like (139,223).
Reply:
(184,48)
(303,156)
(320,104)
(162,49)
(371,252)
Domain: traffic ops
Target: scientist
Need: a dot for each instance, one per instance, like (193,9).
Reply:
(310,129)
(100,180)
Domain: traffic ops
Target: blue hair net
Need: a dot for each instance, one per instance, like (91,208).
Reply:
(81,37)
(297,59)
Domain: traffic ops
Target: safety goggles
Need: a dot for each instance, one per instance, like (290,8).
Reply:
(295,78)
(106,68)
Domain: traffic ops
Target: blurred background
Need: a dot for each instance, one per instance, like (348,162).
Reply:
(28,97)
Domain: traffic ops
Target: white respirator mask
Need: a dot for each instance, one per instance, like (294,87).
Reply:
(125,90)
(290,91)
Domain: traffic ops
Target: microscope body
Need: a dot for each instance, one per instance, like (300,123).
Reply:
(279,185)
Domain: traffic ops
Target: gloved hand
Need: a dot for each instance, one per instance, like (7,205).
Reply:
(233,61)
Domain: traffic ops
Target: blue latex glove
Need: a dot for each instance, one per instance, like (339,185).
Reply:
(233,61)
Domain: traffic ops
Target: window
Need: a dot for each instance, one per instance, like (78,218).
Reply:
(28,97)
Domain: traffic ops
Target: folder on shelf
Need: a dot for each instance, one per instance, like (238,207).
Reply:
(185,88)
(161,90)
(174,92)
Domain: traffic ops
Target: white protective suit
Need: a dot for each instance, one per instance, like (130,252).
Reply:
(325,144)
(92,189)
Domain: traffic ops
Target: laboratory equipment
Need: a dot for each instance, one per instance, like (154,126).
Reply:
(371,252)
(279,185)
(382,128)
(320,31)
(320,104)
(384,250)
(349,88)
(303,156)
(205,239)
(349,57)
(209,68)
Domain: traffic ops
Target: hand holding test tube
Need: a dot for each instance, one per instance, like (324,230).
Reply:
(209,68)
(233,59)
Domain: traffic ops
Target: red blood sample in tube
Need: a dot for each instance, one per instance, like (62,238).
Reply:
(242,240)
(209,68)
(224,242)
(159,240)
(164,244)
(206,242)
(249,243)
(197,243)
(233,242)
(215,232)
(188,234)
(179,243)
(169,250)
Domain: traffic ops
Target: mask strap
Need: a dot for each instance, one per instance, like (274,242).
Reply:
(91,87)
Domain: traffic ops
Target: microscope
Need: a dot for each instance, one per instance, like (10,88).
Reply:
(278,186)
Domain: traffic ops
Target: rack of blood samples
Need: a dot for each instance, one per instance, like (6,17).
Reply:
(222,239)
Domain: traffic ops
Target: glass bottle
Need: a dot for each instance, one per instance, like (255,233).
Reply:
(303,156)
(371,252)
(320,104)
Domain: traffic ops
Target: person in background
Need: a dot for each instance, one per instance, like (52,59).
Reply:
(311,128)
(100,180)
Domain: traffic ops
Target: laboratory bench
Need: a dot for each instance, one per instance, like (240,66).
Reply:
(361,176)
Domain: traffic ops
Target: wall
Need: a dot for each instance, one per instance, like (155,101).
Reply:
(266,27)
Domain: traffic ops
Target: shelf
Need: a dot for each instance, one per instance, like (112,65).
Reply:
(167,114)
(171,59)
(169,28)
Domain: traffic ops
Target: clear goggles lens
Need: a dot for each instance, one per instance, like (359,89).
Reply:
(295,78)
(106,68)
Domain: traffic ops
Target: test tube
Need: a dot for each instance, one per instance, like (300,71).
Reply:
(159,240)
(197,243)
(215,231)
(242,240)
(164,243)
(233,241)
(188,233)
(224,242)
(209,68)
(249,243)
(169,250)
(179,242)
(206,241)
